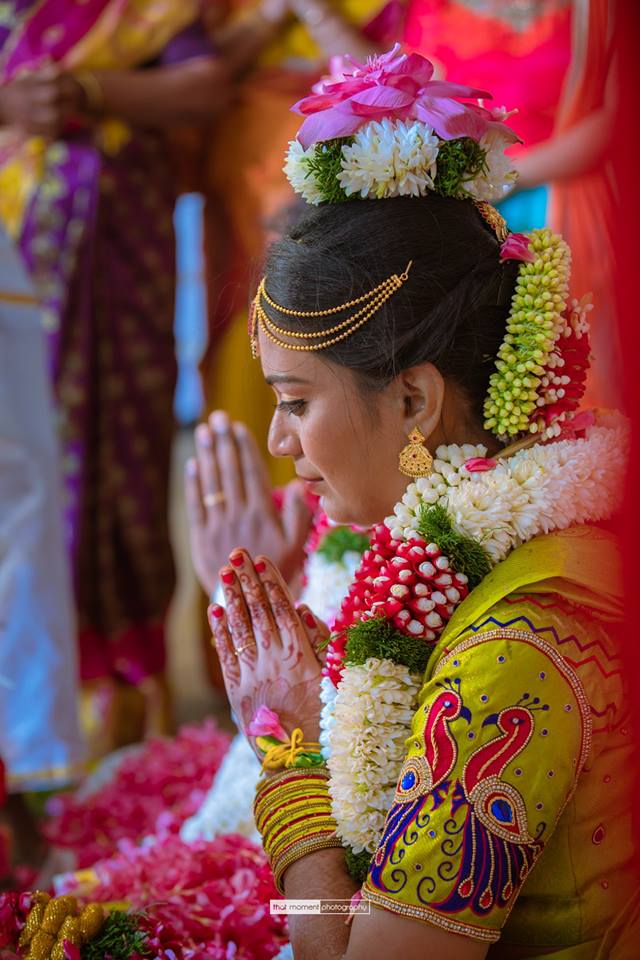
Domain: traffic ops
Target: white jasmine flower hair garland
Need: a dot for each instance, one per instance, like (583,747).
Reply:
(448,531)
(400,158)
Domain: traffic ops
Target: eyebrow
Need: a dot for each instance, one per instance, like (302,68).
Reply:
(283,378)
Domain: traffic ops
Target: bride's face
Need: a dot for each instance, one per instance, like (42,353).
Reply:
(344,443)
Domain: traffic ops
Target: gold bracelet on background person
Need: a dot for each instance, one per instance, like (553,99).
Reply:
(91,89)
(293,815)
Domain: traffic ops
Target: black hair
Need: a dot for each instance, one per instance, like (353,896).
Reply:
(451,311)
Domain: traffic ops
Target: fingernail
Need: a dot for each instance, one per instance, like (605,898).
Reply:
(227,576)
(236,559)
(309,619)
(216,611)
(219,421)
(203,435)
(191,467)
(260,566)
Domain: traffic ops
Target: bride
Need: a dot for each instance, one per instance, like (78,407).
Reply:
(453,759)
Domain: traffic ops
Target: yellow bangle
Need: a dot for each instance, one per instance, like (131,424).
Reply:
(302,849)
(92,90)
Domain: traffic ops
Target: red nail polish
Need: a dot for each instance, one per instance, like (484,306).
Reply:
(260,566)
(310,620)
(227,576)
(237,559)
(216,611)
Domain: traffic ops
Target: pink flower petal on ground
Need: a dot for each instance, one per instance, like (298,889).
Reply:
(71,952)
(480,464)
(266,723)
(516,247)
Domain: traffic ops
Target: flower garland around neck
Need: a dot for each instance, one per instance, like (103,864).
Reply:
(450,529)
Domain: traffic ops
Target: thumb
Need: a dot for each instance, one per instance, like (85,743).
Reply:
(296,516)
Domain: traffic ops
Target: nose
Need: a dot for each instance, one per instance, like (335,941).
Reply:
(283,437)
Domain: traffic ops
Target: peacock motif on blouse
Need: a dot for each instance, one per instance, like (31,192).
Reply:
(488,849)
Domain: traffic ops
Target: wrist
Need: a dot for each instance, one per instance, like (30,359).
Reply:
(293,815)
(90,92)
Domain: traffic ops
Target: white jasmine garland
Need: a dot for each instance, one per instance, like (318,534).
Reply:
(499,175)
(398,158)
(371,713)
(327,582)
(543,488)
(390,158)
(547,487)
(328,693)
(228,805)
(296,169)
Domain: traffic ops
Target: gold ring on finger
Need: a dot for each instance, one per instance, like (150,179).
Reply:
(239,650)
(214,499)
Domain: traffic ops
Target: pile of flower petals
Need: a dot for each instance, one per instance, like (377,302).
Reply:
(207,900)
(152,792)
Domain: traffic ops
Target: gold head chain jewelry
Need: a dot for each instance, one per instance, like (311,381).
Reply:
(368,304)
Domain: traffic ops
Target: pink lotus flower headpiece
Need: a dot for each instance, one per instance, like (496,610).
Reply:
(396,86)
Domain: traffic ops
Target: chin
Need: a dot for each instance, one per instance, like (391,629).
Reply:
(343,513)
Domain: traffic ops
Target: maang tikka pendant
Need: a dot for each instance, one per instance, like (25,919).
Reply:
(415,460)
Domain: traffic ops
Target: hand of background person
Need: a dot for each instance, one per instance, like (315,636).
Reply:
(41,103)
(274,11)
(268,650)
(230,504)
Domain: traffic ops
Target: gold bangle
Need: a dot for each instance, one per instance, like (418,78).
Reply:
(302,850)
(92,90)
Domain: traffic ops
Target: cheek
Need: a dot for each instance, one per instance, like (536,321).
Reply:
(329,439)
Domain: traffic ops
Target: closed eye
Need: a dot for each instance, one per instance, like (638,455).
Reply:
(292,407)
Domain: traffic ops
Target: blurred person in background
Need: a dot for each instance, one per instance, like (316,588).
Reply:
(88,94)
(40,743)
(553,59)
(280,46)
(521,51)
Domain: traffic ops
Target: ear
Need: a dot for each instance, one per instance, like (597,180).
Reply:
(422,389)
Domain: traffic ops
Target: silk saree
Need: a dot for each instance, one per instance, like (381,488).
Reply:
(512,820)
(91,216)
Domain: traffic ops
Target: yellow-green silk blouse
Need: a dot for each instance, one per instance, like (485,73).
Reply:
(511,820)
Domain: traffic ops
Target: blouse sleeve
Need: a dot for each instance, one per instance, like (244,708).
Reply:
(497,744)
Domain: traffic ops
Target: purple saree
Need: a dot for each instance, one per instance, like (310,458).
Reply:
(96,235)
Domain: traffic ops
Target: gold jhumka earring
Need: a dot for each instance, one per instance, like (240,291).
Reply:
(415,460)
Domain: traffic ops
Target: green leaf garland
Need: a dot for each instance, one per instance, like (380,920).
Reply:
(341,540)
(357,864)
(458,160)
(324,165)
(379,638)
(466,555)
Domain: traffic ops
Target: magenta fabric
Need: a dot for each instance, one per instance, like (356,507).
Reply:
(53,29)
